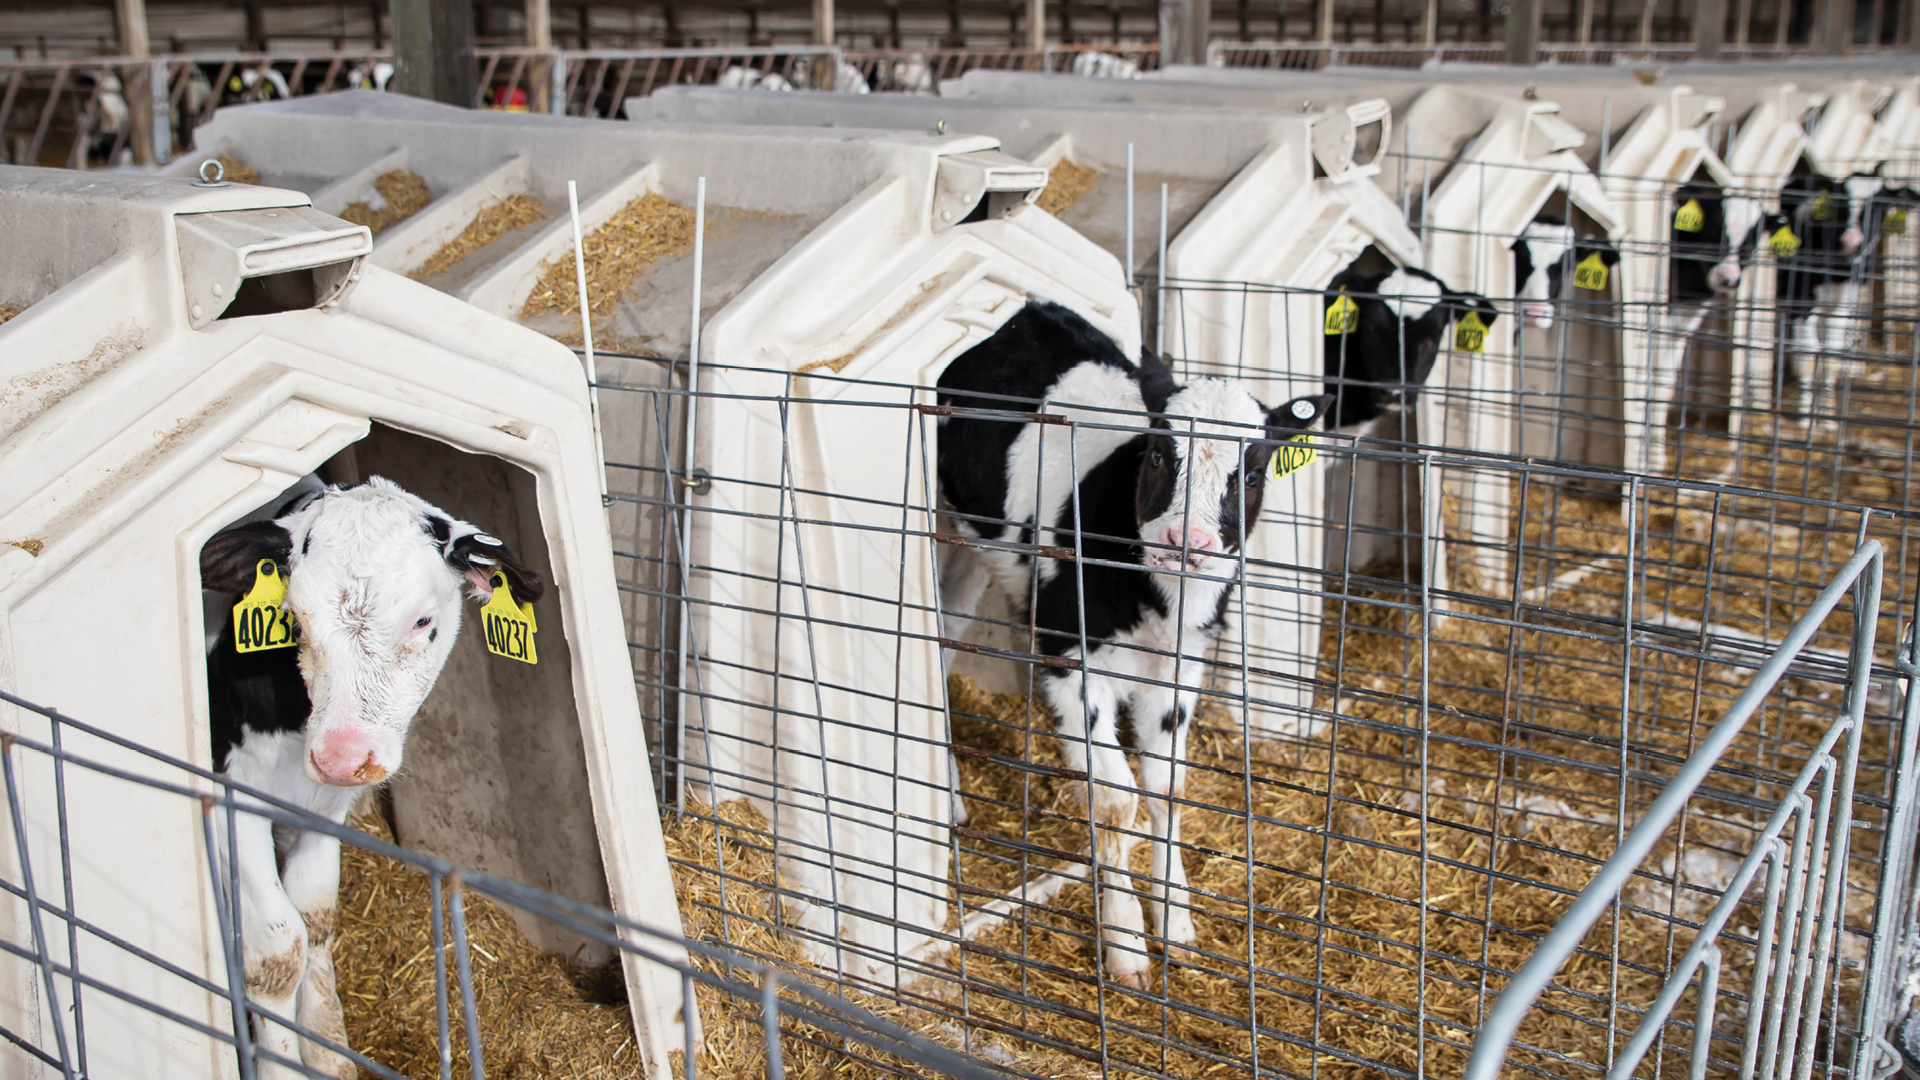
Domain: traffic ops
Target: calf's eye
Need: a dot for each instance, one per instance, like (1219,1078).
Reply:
(1157,459)
(422,621)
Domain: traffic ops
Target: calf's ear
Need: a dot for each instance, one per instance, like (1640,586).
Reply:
(1609,255)
(228,561)
(1300,414)
(1458,304)
(1157,384)
(478,556)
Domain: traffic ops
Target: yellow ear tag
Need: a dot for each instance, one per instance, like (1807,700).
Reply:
(1822,208)
(1471,334)
(1896,223)
(261,620)
(509,626)
(1590,273)
(1783,242)
(1343,315)
(1690,218)
(1290,457)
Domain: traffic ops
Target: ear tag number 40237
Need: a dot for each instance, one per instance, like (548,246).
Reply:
(261,620)
(509,625)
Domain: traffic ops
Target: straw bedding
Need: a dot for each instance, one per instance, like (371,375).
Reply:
(402,195)
(1333,863)
(236,171)
(644,232)
(8,313)
(490,223)
(1066,182)
(540,1016)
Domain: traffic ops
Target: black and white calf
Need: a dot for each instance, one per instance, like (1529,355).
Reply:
(374,577)
(1169,511)
(1380,350)
(1544,255)
(1818,239)
(1714,237)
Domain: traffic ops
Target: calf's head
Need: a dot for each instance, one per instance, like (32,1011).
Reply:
(1713,233)
(1199,490)
(1542,255)
(1377,360)
(374,579)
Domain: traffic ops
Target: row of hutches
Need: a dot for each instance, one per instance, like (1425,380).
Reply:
(184,352)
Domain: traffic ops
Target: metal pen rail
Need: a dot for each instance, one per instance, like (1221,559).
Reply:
(61,936)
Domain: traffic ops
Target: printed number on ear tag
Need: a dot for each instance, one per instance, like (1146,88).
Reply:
(1690,218)
(509,625)
(261,620)
(1896,223)
(1590,273)
(1290,457)
(1783,242)
(1343,315)
(1471,334)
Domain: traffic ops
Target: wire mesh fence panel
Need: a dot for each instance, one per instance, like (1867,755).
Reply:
(899,781)
(90,996)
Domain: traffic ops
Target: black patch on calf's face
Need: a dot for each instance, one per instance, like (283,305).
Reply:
(229,560)
(1159,468)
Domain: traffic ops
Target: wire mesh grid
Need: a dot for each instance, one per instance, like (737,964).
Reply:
(1396,781)
(83,968)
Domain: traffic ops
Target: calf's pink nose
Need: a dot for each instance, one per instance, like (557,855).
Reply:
(1198,541)
(1727,275)
(346,759)
(1851,239)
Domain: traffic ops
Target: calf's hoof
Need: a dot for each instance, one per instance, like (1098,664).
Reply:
(1178,927)
(326,1062)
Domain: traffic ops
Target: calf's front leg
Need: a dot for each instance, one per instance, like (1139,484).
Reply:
(312,881)
(273,944)
(1089,740)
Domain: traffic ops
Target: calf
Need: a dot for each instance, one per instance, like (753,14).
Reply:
(1817,239)
(1161,516)
(1383,333)
(373,578)
(1714,236)
(1541,254)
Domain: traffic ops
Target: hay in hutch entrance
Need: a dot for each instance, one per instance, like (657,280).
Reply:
(490,223)
(1066,182)
(236,171)
(401,194)
(647,230)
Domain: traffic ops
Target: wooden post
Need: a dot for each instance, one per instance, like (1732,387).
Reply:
(1323,23)
(823,25)
(1743,23)
(1430,35)
(1782,19)
(539,24)
(137,86)
(1523,32)
(1836,32)
(1646,23)
(1836,29)
(1586,22)
(1184,28)
(1036,25)
(433,50)
(539,36)
(1709,28)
